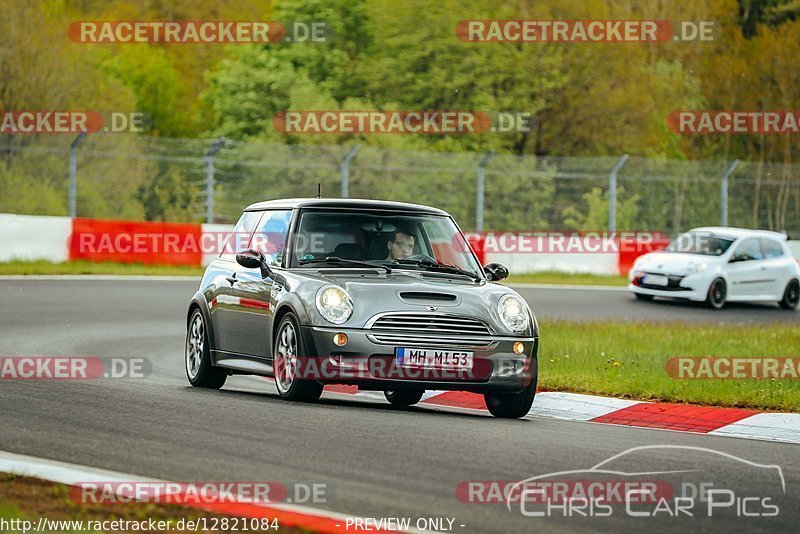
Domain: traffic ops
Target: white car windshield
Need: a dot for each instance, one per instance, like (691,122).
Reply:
(703,243)
(399,240)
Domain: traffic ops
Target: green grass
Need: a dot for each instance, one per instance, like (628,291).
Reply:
(628,360)
(552,277)
(88,267)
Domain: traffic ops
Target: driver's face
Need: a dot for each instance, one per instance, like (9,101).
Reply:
(401,247)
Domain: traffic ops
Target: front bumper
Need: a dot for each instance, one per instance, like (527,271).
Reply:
(371,365)
(691,286)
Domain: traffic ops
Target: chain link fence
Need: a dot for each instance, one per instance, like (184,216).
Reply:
(136,177)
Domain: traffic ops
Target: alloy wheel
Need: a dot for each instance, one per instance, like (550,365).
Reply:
(286,358)
(194,346)
(718,294)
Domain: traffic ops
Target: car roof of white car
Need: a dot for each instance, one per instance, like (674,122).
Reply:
(736,233)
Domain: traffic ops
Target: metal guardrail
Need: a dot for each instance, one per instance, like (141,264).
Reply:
(192,180)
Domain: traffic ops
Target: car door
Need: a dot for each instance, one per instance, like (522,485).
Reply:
(251,317)
(778,271)
(225,267)
(747,271)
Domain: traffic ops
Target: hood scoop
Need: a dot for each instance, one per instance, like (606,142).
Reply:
(428,297)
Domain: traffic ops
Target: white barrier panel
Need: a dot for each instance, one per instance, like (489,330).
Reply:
(34,237)
(603,263)
(215,229)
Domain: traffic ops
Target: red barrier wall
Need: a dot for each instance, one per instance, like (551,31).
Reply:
(627,257)
(135,242)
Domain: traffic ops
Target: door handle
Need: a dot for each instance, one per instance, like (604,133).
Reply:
(231,279)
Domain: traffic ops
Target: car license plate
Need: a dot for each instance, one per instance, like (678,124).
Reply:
(434,358)
(655,280)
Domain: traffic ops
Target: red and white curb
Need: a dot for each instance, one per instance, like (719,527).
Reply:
(288,515)
(712,420)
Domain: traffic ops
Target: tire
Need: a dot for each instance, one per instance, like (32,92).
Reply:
(404,398)
(791,296)
(197,356)
(513,405)
(288,349)
(640,296)
(717,292)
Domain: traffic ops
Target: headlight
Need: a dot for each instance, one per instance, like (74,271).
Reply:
(514,313)
(334,304)
(698,267)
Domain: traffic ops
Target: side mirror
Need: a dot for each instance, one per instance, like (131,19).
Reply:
(253,259)
(496,272)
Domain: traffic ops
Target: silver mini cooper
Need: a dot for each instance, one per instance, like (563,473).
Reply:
(386,296)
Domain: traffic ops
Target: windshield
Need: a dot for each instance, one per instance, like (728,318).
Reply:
(703,243)
(403,241)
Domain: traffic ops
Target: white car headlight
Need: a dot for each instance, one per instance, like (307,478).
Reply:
(334,304)
(514,313)
(698,267)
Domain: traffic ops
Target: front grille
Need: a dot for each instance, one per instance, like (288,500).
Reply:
(431,324)
(430,329)
(413,340)
(674,283)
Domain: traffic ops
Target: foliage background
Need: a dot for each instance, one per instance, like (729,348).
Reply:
(588,99)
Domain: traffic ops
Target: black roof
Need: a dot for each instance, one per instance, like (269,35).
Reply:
(352,203)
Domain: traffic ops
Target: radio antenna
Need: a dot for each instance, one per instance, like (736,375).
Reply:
(319,190)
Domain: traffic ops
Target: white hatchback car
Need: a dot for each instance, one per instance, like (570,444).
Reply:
(719,265)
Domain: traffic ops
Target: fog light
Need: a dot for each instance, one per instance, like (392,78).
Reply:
(340,339)
(519,348)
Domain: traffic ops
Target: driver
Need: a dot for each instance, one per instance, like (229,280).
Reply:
(400,245)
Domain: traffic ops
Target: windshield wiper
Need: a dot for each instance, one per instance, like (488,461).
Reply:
(343,261)
(440,267)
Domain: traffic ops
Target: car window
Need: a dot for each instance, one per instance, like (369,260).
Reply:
(771,249)
(446,247)
(380,237)
(748,250)
(704,243)
(330,234)
(270,235)
(239,238)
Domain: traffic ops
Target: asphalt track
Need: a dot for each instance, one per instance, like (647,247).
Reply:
(375,461)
